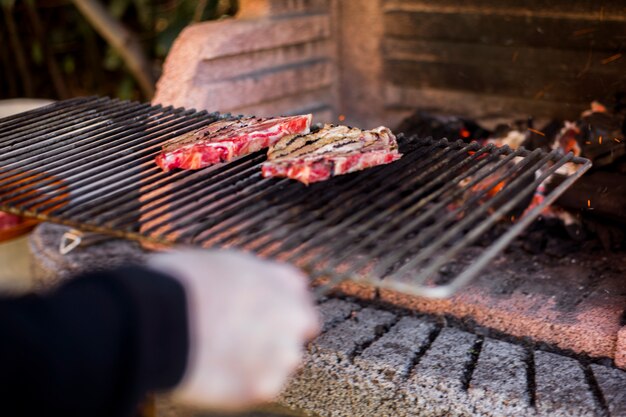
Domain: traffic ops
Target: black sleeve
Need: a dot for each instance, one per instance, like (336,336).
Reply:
(93,347)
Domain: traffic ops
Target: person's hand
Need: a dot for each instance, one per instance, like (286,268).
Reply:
(248,320)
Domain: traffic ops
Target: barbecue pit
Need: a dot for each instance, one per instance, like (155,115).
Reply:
(486,61)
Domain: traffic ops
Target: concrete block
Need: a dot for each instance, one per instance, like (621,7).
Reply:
(612,383)
(620,348)
(444,364)
(241,65)
(561,387)
(270,85)
(249,9)
(499,381)
(340,342)
(183,83)
(391,356)
(334,311)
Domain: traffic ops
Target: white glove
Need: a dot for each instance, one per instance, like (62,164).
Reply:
(248,321)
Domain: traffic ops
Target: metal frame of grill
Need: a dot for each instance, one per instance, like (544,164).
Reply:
(89,163)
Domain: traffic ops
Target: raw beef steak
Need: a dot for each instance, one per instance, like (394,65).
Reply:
(226,139)
(8,220)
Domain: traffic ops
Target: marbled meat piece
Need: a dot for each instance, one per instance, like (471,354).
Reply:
(333,150)
(8,220)
(224,140)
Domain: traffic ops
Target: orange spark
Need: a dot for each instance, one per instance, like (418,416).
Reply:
(539,132)
(611,59)
(341,117)
(585,31)
(617,140)
(465,133)
(588,203)
(600,140)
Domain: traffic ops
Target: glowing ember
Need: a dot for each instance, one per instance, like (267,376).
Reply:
(611,59)
(465,133)
(539,132)
(567,139)
(342,117)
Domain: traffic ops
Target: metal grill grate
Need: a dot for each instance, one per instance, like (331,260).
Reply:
(418,225)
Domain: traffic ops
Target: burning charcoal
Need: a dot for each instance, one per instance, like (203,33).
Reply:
(535,242)
(544,137)
(576,231)
(597,135)
(601,135)
(425,124)
(560,248)
(610,236)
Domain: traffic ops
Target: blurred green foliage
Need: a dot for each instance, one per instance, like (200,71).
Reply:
(49,50)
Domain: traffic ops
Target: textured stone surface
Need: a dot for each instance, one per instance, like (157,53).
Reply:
(280,8)
(444,364)
(620,348)
(500,377)
(363,107)
(340,342)
(266,86)
(262,60)
(574,302)
(562,389)
(50,267)
(436,386)
(334,311)
(390,358)
(612,383)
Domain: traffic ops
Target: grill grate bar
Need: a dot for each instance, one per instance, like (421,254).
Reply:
(447,232)
(32,161)
(477,231)
(255,218)
(159,203)
(15,123)
(88,163)
(194,190)
(70,143)
(417,203)
(354,187)
(119,150)
(448,224)
(448,193)
(320,231)
(49,130)
(225,199)
(136,154)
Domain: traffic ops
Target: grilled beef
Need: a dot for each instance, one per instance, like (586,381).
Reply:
(333,150)
(226,139)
